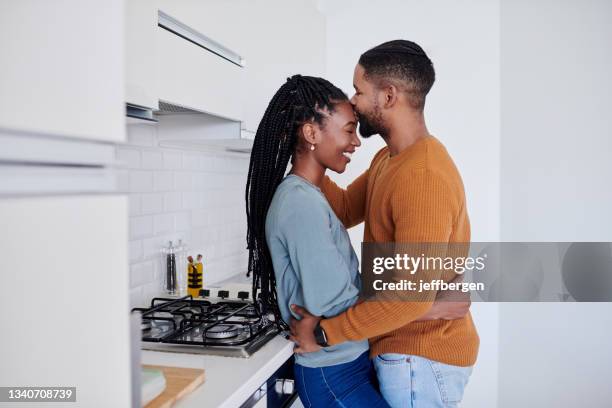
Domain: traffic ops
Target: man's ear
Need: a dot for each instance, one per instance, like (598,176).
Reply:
(390,94)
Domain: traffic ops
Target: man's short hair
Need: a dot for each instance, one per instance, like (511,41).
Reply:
(401,63)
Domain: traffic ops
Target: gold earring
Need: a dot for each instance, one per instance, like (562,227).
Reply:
(312,147)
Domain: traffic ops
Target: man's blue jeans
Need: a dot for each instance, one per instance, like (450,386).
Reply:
(409,381)
(347,385)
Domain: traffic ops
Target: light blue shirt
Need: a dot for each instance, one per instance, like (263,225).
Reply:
(314,263)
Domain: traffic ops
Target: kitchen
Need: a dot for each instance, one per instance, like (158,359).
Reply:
(133,138)
(125,130)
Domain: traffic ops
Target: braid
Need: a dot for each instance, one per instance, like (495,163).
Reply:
(300,99)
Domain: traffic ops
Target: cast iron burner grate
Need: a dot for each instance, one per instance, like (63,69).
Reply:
(238,327)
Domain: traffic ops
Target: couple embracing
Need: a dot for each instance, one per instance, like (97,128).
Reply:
(352,353)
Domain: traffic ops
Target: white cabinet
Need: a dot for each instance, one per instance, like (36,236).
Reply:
(64,296)
(216,19)
(196,78)
(62,68)
(277,39)
(200,50)
(140,53)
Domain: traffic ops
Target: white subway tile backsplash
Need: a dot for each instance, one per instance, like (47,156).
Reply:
(157,271)
(198,237)
(141,227)
(200,218)
(200,181)
(128,157)
(191,200)
(151,290)
(183,181)
(141,273)
(172,160)
(164,224)
(163,181)
(134,204)
(122,180)
(151,247)
(207,164)
(182,221)
(152,160)
(135,250)
(141,135)
(151,203)
(174,194)
(191,161)
(136,299)
(172,201)
(141,181)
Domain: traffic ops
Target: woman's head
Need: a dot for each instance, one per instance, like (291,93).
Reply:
(308,119)
(330,142)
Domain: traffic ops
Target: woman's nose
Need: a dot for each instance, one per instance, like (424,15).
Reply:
(356,140)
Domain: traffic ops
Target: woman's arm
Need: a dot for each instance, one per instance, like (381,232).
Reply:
(305,230)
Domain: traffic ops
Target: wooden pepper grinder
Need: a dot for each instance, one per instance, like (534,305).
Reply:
(194,275)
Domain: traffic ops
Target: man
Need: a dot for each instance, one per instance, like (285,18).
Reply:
(411,193)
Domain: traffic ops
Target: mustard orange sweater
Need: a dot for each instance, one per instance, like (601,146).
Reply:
(414,196)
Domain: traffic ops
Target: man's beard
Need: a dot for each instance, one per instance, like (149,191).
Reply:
(371,123)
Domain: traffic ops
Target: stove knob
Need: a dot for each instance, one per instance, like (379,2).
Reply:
(284,386)
(261,392)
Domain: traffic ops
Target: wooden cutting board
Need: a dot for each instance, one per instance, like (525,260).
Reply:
(179,382)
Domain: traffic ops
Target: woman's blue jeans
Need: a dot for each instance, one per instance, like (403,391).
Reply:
(351,384)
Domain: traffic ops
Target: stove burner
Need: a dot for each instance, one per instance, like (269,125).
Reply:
(222,331)
(230,328)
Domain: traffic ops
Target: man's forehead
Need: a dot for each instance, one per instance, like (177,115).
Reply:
(358,75)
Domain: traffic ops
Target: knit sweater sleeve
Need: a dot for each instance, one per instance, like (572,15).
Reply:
(422,209)
(349,204)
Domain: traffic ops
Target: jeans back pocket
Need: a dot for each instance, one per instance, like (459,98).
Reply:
(451,380)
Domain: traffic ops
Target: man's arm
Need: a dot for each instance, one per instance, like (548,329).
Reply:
(449,304)
(349,204)
(423,212)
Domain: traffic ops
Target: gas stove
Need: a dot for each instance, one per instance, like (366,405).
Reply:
(233,328)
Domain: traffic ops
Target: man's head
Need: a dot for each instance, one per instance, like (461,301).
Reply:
(391,76)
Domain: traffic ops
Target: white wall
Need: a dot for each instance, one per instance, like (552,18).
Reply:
(178,194)
(555,176)
(462,39)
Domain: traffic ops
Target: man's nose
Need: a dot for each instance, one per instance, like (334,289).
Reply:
(352,100)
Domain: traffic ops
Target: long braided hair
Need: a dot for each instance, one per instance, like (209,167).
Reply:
(299,100)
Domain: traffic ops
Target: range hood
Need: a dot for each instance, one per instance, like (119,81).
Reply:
(196,76)
(184,127)
(139,113)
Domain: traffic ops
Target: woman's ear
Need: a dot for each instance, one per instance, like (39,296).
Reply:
(310,132)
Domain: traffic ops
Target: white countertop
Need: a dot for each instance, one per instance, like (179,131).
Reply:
(228,381)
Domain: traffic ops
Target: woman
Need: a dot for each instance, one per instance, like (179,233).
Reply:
(299,252)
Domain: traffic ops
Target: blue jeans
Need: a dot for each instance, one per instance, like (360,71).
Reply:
(344,385)
(409,381)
